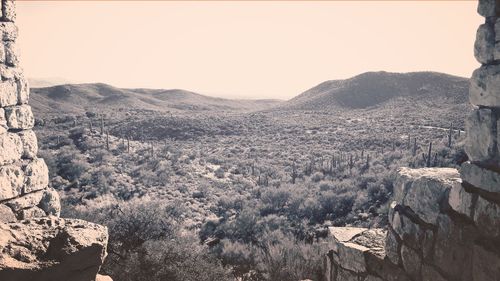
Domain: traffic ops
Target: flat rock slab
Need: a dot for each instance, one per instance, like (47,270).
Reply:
(352,245)
(425,190)
(51,248)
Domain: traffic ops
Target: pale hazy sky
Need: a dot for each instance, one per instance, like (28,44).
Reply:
(242,49)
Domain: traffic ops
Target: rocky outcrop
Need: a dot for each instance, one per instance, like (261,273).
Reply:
(35,244)
(444,224)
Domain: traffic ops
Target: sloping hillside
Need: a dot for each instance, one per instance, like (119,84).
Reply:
(78,98)
(378,88)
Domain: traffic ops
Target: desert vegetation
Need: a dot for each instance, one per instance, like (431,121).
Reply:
(233,195)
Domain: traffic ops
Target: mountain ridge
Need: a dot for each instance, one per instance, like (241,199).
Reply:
(376,88)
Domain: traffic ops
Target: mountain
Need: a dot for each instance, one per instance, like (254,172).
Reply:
(78,98)
(376,89)
(47,82)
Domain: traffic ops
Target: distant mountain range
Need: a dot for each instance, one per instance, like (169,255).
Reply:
(366,91)
(78,98)
(373,89)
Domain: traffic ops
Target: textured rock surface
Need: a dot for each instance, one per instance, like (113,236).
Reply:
(442,226)
(35,244)
(485,43)
(51,248)
(481,143)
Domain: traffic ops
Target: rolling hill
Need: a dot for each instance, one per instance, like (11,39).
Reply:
(78,98)
(377,89)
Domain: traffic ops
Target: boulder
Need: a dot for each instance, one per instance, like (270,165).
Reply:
(11,148)
(488,8)
(461,201)
(484,85)
(425,190)
(353,245)
(11,54)
(30,144)
(453,248)
(9,10)
(19,117)
(23,90)
(11,181)
(9,31)
(431,274)
(485,44)
(486,264)
(37,175)
(481,125)
(9,92)
(479,177)
(6,214)
(51,248)
(487,217)
(412,262)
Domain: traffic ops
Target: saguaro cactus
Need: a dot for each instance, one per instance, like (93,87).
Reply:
(427,159)
(102,125)
(450,133)
(107,140)
(294,173)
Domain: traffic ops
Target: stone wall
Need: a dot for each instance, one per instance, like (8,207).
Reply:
(444,224)
(35,244)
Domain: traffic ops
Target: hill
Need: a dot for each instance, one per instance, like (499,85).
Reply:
(375,89)
(78,98)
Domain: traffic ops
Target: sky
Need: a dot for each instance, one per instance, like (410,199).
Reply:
(242,49)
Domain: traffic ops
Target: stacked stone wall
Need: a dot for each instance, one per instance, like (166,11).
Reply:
(35,243)
(444,224)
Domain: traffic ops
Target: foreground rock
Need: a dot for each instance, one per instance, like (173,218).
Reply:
(50,249)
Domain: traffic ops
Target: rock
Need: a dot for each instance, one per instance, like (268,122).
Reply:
(30,144)
(486,265)
(346,275)
(23,90)
(30,213)
(9,31)
(392,247)
(487,217)
(11,54)
(9,94)
(19,117)
(481,140)
(485,44)
(6,214)
(453,248)
(10,148)
(496,52)
(25,201)
(407,230)
(328,267)
(385,269)
(430,274)
(344,234)
(461,201)
(488,8)
(352,256)
(11,181)
(353,245)
(485,82)
(37,175)
(48,249)
(50,202)
(480,177)
(425,190)
(9,10)
(411,262)
(373,278)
